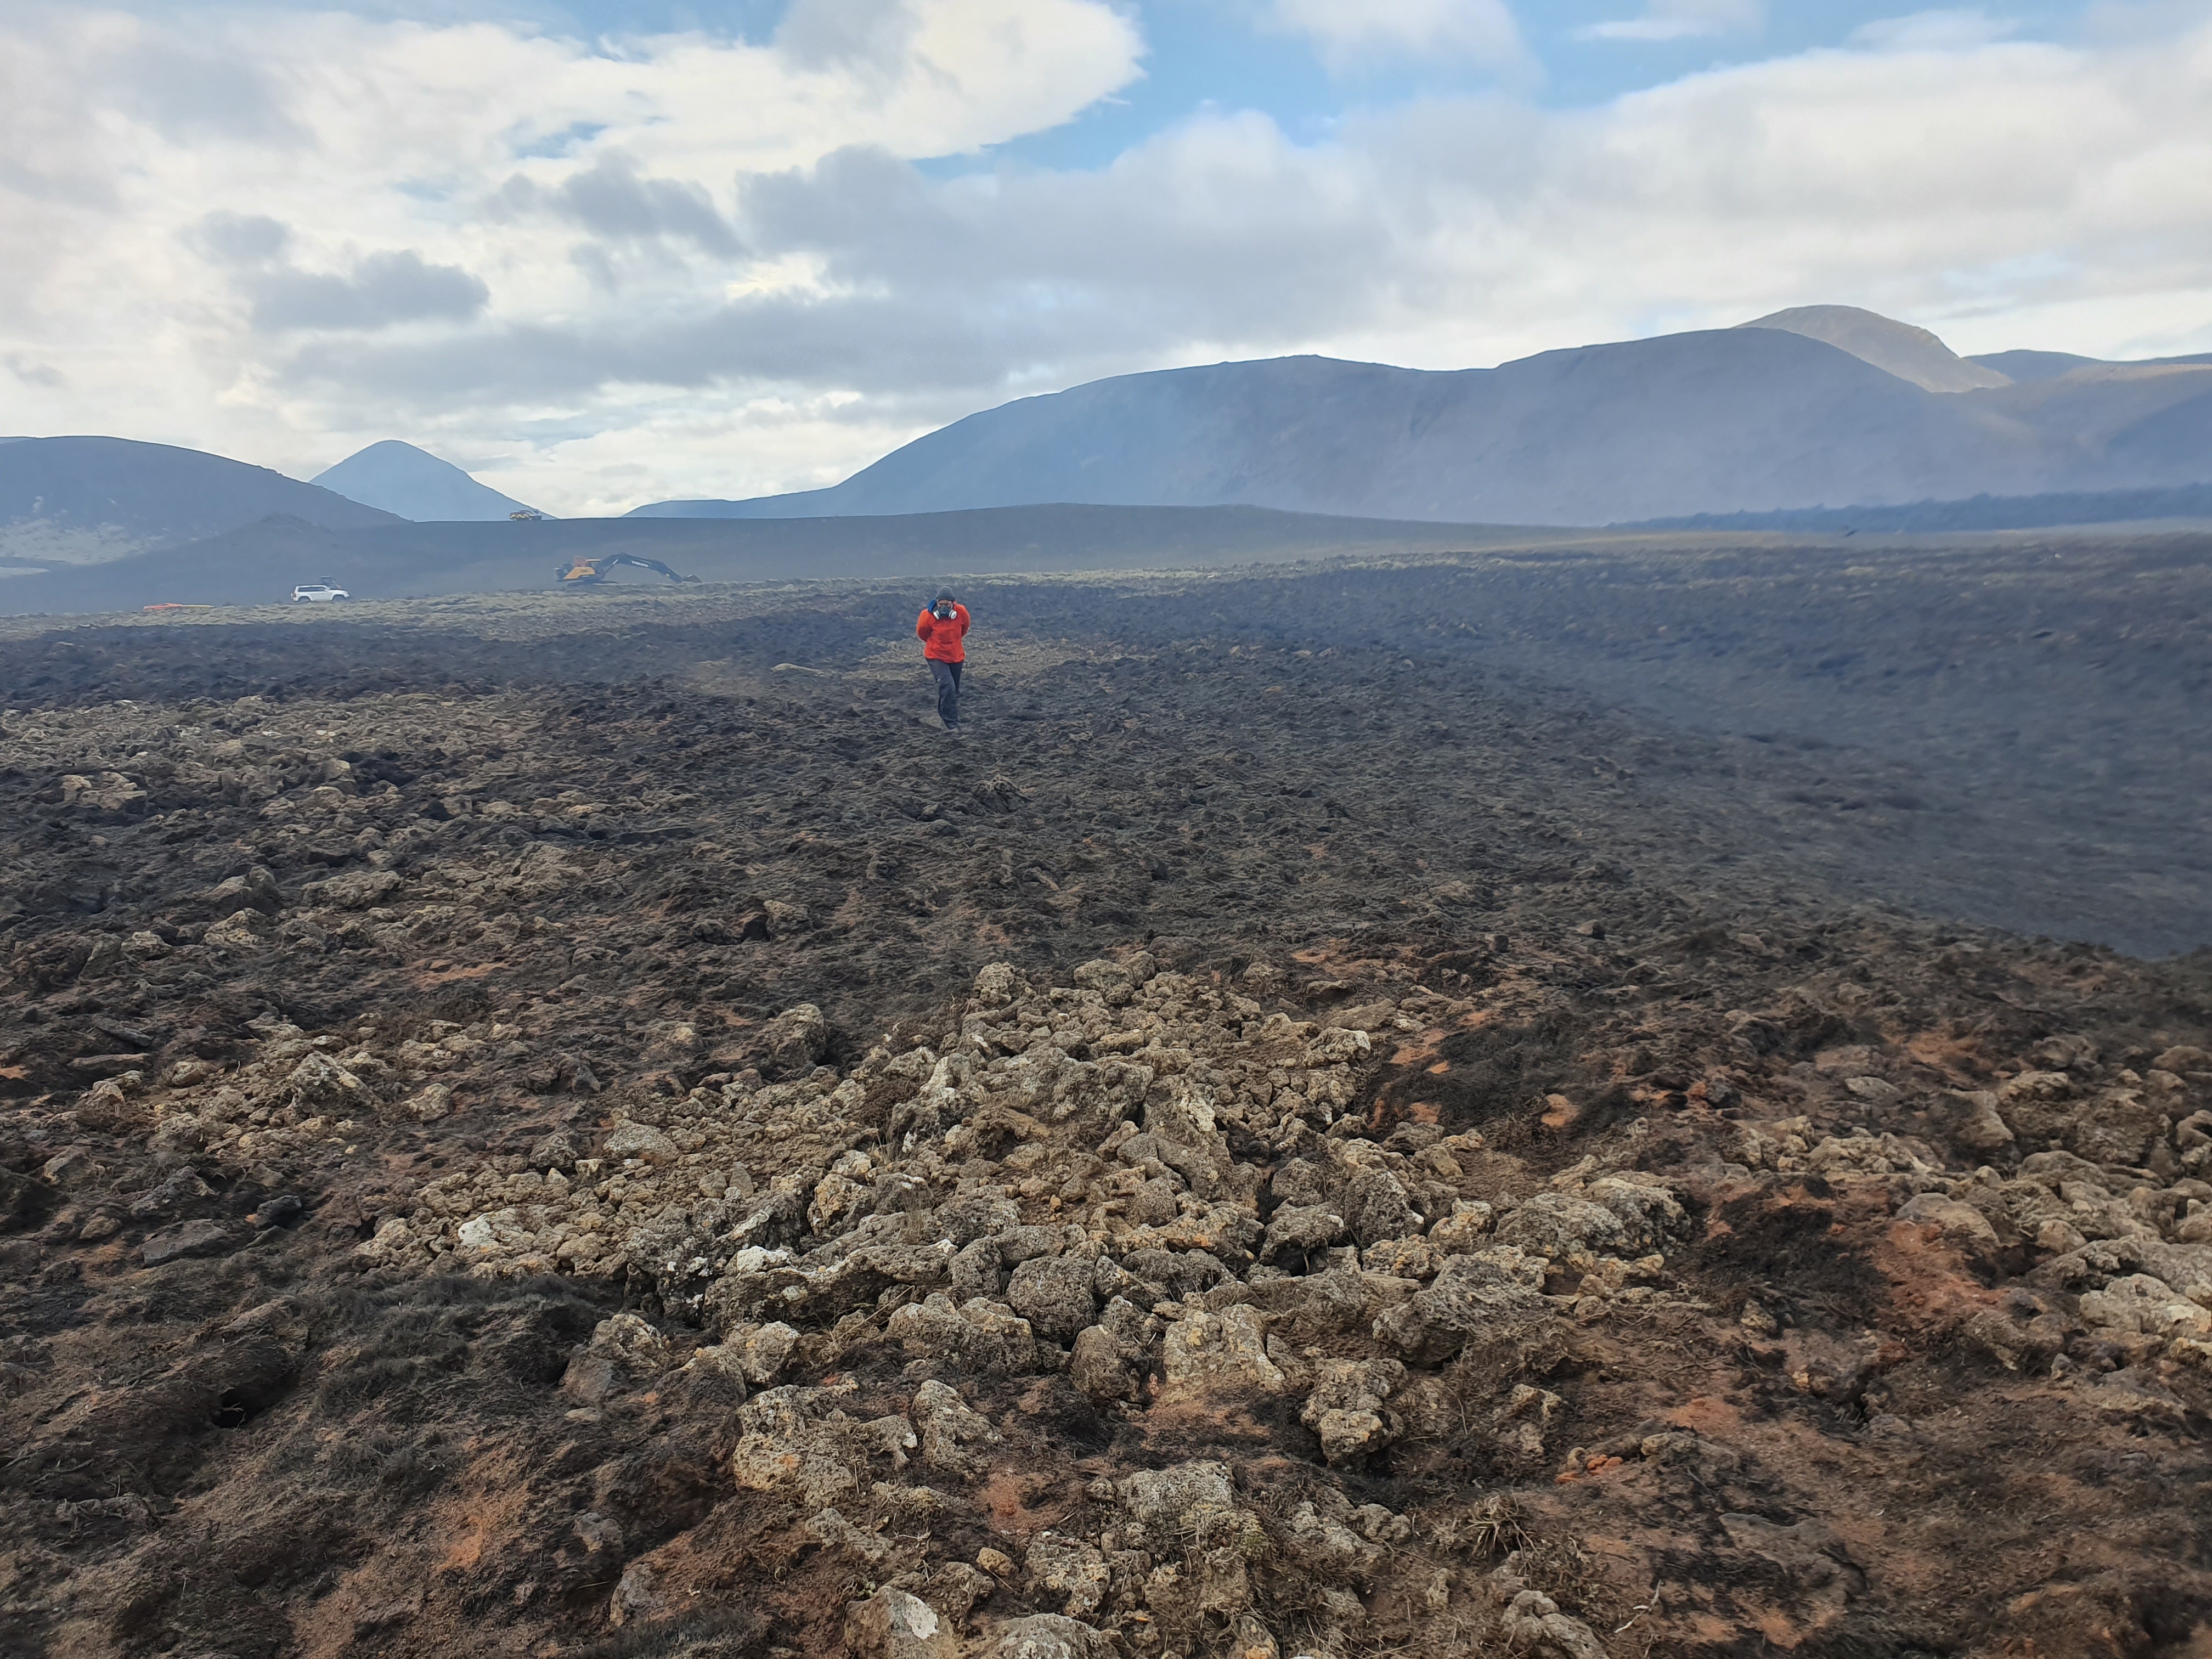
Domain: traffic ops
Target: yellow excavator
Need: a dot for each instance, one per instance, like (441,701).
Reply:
(580,572)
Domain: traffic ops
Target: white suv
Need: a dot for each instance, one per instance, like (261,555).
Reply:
(318,593)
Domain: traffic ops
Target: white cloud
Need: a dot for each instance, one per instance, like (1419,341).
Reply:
(1353,33)
(1956,30)
(182,195)
(711,268)
(1681,19)
(381,291)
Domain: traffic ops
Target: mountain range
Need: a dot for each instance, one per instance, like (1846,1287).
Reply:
(89,499)
(77,500)
(1821,408)
(1818,406)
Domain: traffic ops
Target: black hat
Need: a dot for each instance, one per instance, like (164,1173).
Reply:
(942,594)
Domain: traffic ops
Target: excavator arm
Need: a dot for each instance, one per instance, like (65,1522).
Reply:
(580,572)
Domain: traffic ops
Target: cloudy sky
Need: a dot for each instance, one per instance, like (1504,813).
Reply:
(603,253)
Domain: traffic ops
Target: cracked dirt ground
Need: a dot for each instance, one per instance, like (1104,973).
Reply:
(545,1130)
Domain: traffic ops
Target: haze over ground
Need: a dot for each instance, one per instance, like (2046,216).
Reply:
(602,255)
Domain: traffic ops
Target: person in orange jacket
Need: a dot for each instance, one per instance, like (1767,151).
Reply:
(942,631)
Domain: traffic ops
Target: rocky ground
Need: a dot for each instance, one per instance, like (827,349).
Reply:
(598,1132)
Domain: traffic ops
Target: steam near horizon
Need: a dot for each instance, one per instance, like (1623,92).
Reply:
(604,255)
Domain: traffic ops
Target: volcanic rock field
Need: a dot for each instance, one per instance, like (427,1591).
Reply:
(1341,1119)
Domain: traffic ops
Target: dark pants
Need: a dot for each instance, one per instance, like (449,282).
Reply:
(947,675)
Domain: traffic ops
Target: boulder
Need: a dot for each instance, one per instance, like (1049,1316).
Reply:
(623,1348)
(1046,1636)
(111,792)
(1401,1258)
(1302,1229)
(793,1440)
(1056,1294)
(986,1337)
(1158,1499)
(793,1042)
(319,1081)
(2138,1303)
(971,1216)
(1298,1182)
(1472,1294)
(1115,982)
(1973,1123)
(1070,1570)
(1533,1625)
(188,1238)
(1219,1353)
(1377,1207)
(893,1625)
(762,1353)
(256,888)
(1556,1225)
(629,1139)
(637,1341)
(1961,1223)
(1463,1229)
(1648,1214)
(1098,1369)
(242,930)
(1346,1407)
(73,1166)
(998,984)
(355,891)
(952,1436)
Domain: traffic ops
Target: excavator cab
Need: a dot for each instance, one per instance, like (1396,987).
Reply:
(580,572)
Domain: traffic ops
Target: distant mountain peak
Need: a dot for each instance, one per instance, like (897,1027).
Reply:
(1899,349)
(415,484)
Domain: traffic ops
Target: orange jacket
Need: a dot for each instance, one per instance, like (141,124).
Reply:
(942,639)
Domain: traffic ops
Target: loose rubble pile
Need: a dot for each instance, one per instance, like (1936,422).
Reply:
(1078,1185)
(1225,1342)
(1495,1279)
